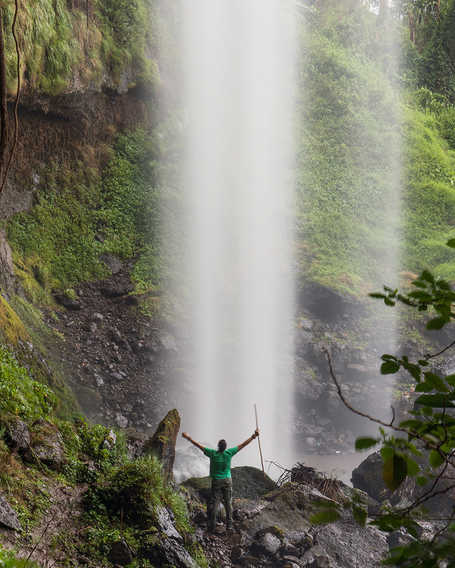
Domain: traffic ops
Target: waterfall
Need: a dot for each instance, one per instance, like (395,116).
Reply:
(237,284)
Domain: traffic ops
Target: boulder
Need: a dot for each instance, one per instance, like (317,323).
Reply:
(368,477)
(162,443)
(316,557)
(165,523)
(161,551)
(247,483)
(121,553)
(268,543)
(8,516)
(67,302)
(17,435)
(46,446)
(250,483)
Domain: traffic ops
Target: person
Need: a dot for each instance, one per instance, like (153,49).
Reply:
(220,473)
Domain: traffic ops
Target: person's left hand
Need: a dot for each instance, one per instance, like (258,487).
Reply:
(185,435)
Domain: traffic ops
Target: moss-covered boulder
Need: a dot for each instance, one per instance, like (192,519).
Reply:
(46,446)
(162,443)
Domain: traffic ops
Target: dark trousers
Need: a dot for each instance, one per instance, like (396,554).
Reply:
(221,491)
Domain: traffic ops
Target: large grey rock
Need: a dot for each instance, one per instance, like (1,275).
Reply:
(167,552)
(165,523)
(368,477)
(270,543)
(120,553)
(46,446)
(8,516)
(17,435)
(317,557)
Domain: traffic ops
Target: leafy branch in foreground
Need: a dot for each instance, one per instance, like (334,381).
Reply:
(422,447)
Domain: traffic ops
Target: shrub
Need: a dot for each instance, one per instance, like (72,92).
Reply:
(19,393)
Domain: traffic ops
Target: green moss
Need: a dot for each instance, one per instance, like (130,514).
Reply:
(58,43)
(80,214)
(19,394)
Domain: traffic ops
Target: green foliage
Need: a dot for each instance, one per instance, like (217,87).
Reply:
(9,560)
(432,427)
(79,215)
(19,394)
(58,43)
(126,37)
(134,490)
(353,126)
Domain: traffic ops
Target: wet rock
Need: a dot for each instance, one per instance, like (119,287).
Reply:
(250,483)
(399,538)
(316,557)
(121,421)
(67,302)
(17,435)
(165,523)
(162,443)
(46,446)
(290,561)
(269,543)
(8,516)
(120,553)
(135,444)
(166,551)
(114,264)
(117,288)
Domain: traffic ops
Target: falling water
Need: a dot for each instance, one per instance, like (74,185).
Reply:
(237,284)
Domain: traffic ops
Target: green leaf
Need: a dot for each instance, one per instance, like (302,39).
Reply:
(435,459)
(390,367)
(394,471)
(413,467)
(436,382)
(421,480)
(421,295)
(359,514)
(411,424)
(437,323)
(363,443)
(377,295)
(426,275)
(324,517)
(435,400)
(451,243)
(451,380)
(389,302)
(419,284)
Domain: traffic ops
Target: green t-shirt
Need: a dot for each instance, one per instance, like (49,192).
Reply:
(220,462)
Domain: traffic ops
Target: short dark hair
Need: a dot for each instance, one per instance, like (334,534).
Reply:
(222,445)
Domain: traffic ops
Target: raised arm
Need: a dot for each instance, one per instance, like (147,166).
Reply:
(250,439)
(185,435)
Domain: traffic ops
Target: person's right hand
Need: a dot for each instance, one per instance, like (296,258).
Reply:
(185,435)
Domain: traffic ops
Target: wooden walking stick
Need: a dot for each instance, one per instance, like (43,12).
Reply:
(259,439)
